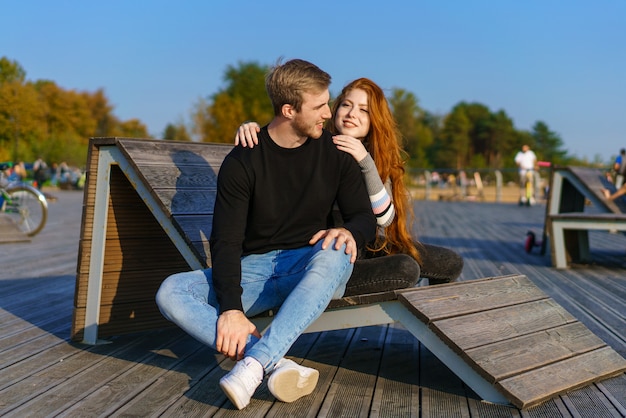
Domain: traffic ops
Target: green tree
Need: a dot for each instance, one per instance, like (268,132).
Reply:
(11,71)
(489,134)
(500,140)
(416,135)
(548,144)
(176,132)
(455,140)
(479,133)
(247,83)
(243,98)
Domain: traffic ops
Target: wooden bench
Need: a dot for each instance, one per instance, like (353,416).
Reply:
(147,214)
(569,217)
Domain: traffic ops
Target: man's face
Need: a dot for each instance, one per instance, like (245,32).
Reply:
(309,121)
(352,116)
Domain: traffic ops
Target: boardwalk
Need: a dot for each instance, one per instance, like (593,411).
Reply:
(368,372)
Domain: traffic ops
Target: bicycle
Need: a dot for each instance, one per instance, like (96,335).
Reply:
(26,206)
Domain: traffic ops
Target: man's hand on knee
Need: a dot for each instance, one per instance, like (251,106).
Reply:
(340,236)
(233,328)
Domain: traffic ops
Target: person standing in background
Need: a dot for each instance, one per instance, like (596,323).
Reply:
(526,161)
(40,172)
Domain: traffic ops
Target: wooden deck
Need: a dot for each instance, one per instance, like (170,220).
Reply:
(369,372)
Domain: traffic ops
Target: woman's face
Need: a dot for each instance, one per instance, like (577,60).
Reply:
(352,116)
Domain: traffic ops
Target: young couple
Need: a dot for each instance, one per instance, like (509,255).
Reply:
(364,127)
(271,244)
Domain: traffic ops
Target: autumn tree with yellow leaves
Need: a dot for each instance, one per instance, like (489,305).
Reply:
(43,119)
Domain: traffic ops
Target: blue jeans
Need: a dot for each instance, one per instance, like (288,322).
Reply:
(300,282)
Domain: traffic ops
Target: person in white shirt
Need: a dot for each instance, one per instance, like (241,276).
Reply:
(526,161)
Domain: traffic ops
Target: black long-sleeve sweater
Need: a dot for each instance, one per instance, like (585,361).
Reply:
(270,198)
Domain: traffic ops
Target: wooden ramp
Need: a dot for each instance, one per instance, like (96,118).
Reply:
(514,336)
(503,336)
(147,214)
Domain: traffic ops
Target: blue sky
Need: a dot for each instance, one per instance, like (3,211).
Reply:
(562,62)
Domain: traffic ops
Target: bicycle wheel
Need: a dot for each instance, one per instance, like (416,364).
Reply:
(28,208)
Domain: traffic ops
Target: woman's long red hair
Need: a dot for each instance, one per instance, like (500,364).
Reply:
(383,143)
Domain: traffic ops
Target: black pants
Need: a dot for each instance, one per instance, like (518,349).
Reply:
(382,274)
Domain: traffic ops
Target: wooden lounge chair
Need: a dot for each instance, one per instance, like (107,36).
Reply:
(147,214)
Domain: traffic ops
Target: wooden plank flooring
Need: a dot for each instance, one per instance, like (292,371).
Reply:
(10,232)
(367,372)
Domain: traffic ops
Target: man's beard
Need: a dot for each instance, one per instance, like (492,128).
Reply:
(304,129)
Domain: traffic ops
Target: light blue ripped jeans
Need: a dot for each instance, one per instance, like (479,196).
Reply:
(300,282)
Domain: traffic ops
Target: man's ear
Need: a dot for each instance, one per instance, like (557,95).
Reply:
(288,111)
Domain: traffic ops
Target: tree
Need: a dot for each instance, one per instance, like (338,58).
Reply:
(11,71)
(218,121)
(177,132)
(42,119)
(416,135)
(455,140)
(66,111)
(243,98)
(101,113)
(133,128)
(490,135)
(500,140)
(247,82)
(20,116)
(478,117)
(548,144)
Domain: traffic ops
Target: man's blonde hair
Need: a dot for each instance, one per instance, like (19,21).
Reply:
(286,82)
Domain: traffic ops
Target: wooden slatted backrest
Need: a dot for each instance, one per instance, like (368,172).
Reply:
(183,179)
(138,253)
(590,182)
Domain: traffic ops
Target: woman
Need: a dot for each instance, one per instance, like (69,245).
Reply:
(365,128)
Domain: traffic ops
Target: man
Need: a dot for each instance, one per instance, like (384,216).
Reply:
(270,245)
(526,161)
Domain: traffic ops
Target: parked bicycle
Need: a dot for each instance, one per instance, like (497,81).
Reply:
(26,206)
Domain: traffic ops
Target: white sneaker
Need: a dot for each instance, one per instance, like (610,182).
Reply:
(241,382)
(290,381)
